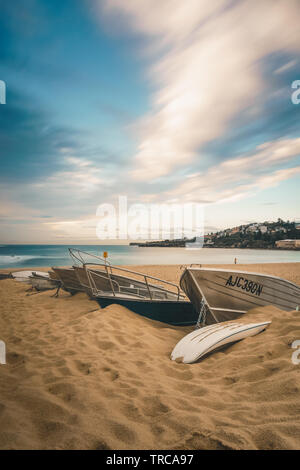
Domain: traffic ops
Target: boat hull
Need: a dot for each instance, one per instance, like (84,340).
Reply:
(41,284)
(83,279)
(178,313)
(69,280)
(229,294)
(203,341)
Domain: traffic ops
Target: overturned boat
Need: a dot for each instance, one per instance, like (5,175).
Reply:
(219,295)
(203,341)
(24,276)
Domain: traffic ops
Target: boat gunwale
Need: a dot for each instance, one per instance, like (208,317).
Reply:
(139,299)
(242,272)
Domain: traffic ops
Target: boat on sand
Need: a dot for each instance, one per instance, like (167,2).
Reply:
(146,295)
(203,341)
(219,294)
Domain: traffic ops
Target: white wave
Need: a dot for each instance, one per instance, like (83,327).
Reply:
(13,259)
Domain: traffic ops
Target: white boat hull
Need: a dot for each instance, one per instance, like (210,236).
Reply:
(42,284)
(24,276)
(199,343)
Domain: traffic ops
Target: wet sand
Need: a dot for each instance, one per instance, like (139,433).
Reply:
(78,377)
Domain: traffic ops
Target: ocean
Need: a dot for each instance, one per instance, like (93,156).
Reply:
(15,256)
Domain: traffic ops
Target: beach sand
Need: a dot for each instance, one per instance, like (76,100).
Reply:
(78,377)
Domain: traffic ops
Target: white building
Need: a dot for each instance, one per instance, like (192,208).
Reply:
(288,243)
(263,228)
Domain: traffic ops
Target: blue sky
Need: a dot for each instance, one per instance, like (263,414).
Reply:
(177,102)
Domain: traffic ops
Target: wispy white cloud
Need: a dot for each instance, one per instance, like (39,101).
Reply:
(241,176)
(289,65)
(207,70)
(79,175)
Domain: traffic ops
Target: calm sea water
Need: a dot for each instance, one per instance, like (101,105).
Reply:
(13,256)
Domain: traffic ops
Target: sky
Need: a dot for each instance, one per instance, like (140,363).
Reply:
(163,102)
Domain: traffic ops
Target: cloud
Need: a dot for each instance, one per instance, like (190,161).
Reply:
(289,65)
(241,176)
(29,140)
(207,68)
(78,175)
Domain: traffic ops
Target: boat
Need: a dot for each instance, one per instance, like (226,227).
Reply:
(95,277)
(42,283)
(200,342)
(5,276)
(219,294)
(83,279)
(143,294)
(161,302)
(68,279)
(101,282)
(24,276)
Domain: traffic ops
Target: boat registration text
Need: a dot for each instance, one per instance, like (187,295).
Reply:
(245,284)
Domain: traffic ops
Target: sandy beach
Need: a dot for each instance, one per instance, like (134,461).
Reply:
(78,377)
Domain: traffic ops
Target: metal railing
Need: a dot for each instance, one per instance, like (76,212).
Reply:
(142,283)
(78,255)
(106,271)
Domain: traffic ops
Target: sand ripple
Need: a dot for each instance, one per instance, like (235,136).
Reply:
(81,377)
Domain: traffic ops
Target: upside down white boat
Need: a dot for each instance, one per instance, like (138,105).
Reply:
(200,342)
(24,276)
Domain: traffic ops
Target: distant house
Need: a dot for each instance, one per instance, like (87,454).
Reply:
(288,244)
(234,230)
(252,228)
(263,228)
(297,225)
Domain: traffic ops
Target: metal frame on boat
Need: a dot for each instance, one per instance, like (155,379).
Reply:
(144,294)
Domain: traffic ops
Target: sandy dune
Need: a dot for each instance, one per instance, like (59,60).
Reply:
(80,377)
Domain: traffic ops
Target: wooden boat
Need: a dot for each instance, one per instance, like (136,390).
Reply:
(202,341)
(219,295)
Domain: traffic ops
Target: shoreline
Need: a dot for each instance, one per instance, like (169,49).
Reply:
(215,265)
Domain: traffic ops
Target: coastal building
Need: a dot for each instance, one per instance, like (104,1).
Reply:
(291,244)
(252,228)
(263,228)
(234,230)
